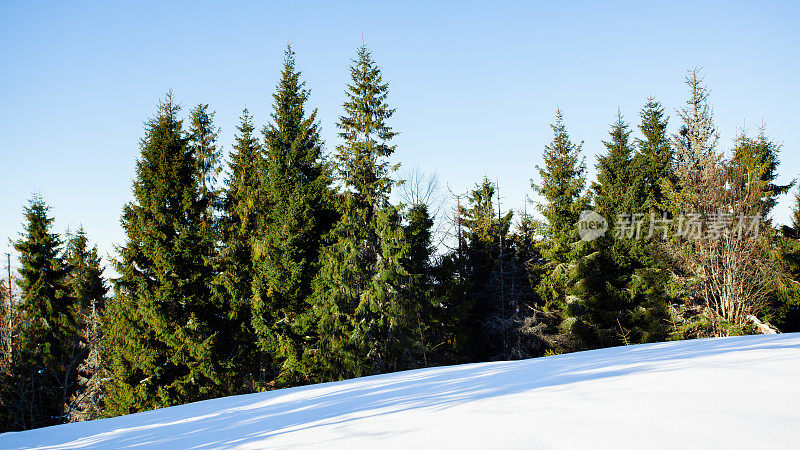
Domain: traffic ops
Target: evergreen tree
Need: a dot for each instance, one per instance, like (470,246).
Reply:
(362,282)
(387,316)
(563,180)
(485,231)
(423,321)
(796,211)
(758,158)
(12,408)
(203,144)
(48,314)
(525,239)
(598,298)
(652,162)
(241,209)
(785,307)
(562,186)
(726,276)
(526,337)
(614,295)
(163,319)
(612,193)
(88,287)
(362,163)
(695,143)
(297,186)
(488,296)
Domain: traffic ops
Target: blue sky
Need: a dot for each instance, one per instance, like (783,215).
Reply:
(475,84)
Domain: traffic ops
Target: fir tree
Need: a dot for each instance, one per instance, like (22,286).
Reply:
(562,186)
(598,298)
(362,163)
(297,187)
(696,141)
(163,321)
(362,281)
(386,316)
(616,294)
(485,232)
(563,180)
(758,158)
(488,303)
(525,238)
(727,276)
(424,325)
(796,211)
(652,163)
(48,313)
(88,288)
(203,144)
(785,307)
(241,208)
(612,194)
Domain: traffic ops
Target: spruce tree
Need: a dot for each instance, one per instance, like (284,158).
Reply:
(612,193)
(652,163)
(562,183)
(163,319)
(695,143)
(487,290)
(296,185)
(563,180)
(241,209)
(796,211)
(785,307)
(424,325)
(88,287)
(758,158)
(362,281)
(49,317)
(525,237)
(727,276)
(526,338)
(387,315)
(484,233)
(611,289)
(203,144)
(597,292)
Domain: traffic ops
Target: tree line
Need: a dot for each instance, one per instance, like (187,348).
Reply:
(290,266)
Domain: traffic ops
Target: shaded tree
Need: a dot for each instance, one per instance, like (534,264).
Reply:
(88,287)
(46,361)
(242,205)
(163,319)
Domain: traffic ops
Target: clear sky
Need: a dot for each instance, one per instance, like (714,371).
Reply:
(475,84)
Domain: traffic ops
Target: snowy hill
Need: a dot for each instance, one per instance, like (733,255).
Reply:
(741,392)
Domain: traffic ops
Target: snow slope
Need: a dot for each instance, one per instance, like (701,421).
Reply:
(740,392)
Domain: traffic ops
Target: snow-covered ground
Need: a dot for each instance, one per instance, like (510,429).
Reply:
(741,392)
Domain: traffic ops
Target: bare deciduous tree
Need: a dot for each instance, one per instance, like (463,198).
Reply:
(418,187)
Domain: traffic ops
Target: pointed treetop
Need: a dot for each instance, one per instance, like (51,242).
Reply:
(697,138)
(364,128)
(614,175)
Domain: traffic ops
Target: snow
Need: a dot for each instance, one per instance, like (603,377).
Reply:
(712,393)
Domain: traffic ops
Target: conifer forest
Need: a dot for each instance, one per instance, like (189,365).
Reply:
(280,260)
